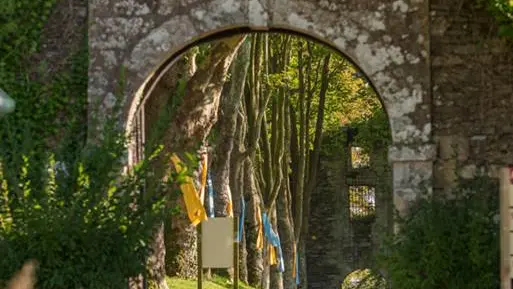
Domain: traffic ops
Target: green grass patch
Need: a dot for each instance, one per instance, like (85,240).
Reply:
(215,283)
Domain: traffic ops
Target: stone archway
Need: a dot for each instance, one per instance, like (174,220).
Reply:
(387,40)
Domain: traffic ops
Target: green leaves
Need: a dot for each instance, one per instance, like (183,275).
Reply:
(502,11)
(448,243)
(88,228)
(67,205)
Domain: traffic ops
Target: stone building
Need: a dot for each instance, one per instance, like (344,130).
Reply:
(351,211)
(443,74)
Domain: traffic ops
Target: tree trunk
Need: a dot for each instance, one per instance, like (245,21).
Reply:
(276,277)
(226,126)
(286,231)
(302,145)
(237,185)
(189,125)
(156,110)
(314,166)
(255,256)
(284,210)
(157,270)
(303,266)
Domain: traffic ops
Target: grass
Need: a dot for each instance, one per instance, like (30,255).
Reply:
(215,283)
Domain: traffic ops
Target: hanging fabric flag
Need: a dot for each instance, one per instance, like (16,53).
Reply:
(229,207)
(195,209)
(272,255)
(210,187)
(281,262)
(267,226)
(274,239)
(241,219)
(295,274)
(260,234)
(294,253)
(204,170)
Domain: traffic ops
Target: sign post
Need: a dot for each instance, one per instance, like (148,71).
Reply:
(506,227)
(200,259)
(235,255)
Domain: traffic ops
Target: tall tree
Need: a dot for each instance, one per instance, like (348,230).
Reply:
(189,125)
(314,163)
(227,201)
(226,128)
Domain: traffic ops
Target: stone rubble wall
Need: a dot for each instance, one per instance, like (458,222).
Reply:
(472,82)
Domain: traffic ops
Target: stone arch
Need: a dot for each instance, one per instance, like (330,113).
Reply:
(387,40)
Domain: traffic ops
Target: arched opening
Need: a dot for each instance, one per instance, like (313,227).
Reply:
(322,135)
(364,279)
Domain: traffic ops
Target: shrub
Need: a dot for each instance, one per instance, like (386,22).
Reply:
(448,243)
(76,211)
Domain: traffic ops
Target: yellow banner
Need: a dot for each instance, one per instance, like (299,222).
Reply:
(193,204)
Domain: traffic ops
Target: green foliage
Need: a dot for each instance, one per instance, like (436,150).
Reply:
(22,22)
(217,282)
(364,279)
(374,131)
(67,204)
(350,100)
(46,107)
(502,10)
(334,142)
(77,212)
(448,242)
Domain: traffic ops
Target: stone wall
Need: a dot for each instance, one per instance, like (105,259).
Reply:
(470,74)
(63,35)
(471,69)
(328,228)
(388,40)
(337,246)
(472,79)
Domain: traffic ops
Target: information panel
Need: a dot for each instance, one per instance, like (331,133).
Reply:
(217,243)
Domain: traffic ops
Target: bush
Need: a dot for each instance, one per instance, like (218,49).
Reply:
(67,204)
(364,279)
(76,211)
(448,243)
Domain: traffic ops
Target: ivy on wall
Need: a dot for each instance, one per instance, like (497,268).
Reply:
(41,107)
(502,10)
(65,203)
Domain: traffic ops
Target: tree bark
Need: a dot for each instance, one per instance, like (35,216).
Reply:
(227,203)
(238,186)
(302,143)
(190,124)
(229,109)
(276,276)
(314,164)
(287,238)
(255,256)
(284,209)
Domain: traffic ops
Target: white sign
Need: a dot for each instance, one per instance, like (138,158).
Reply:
(217,242)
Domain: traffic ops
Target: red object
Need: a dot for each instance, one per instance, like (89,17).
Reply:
(511,174)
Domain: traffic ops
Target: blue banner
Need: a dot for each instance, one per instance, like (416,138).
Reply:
(211,213)
(241,220)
